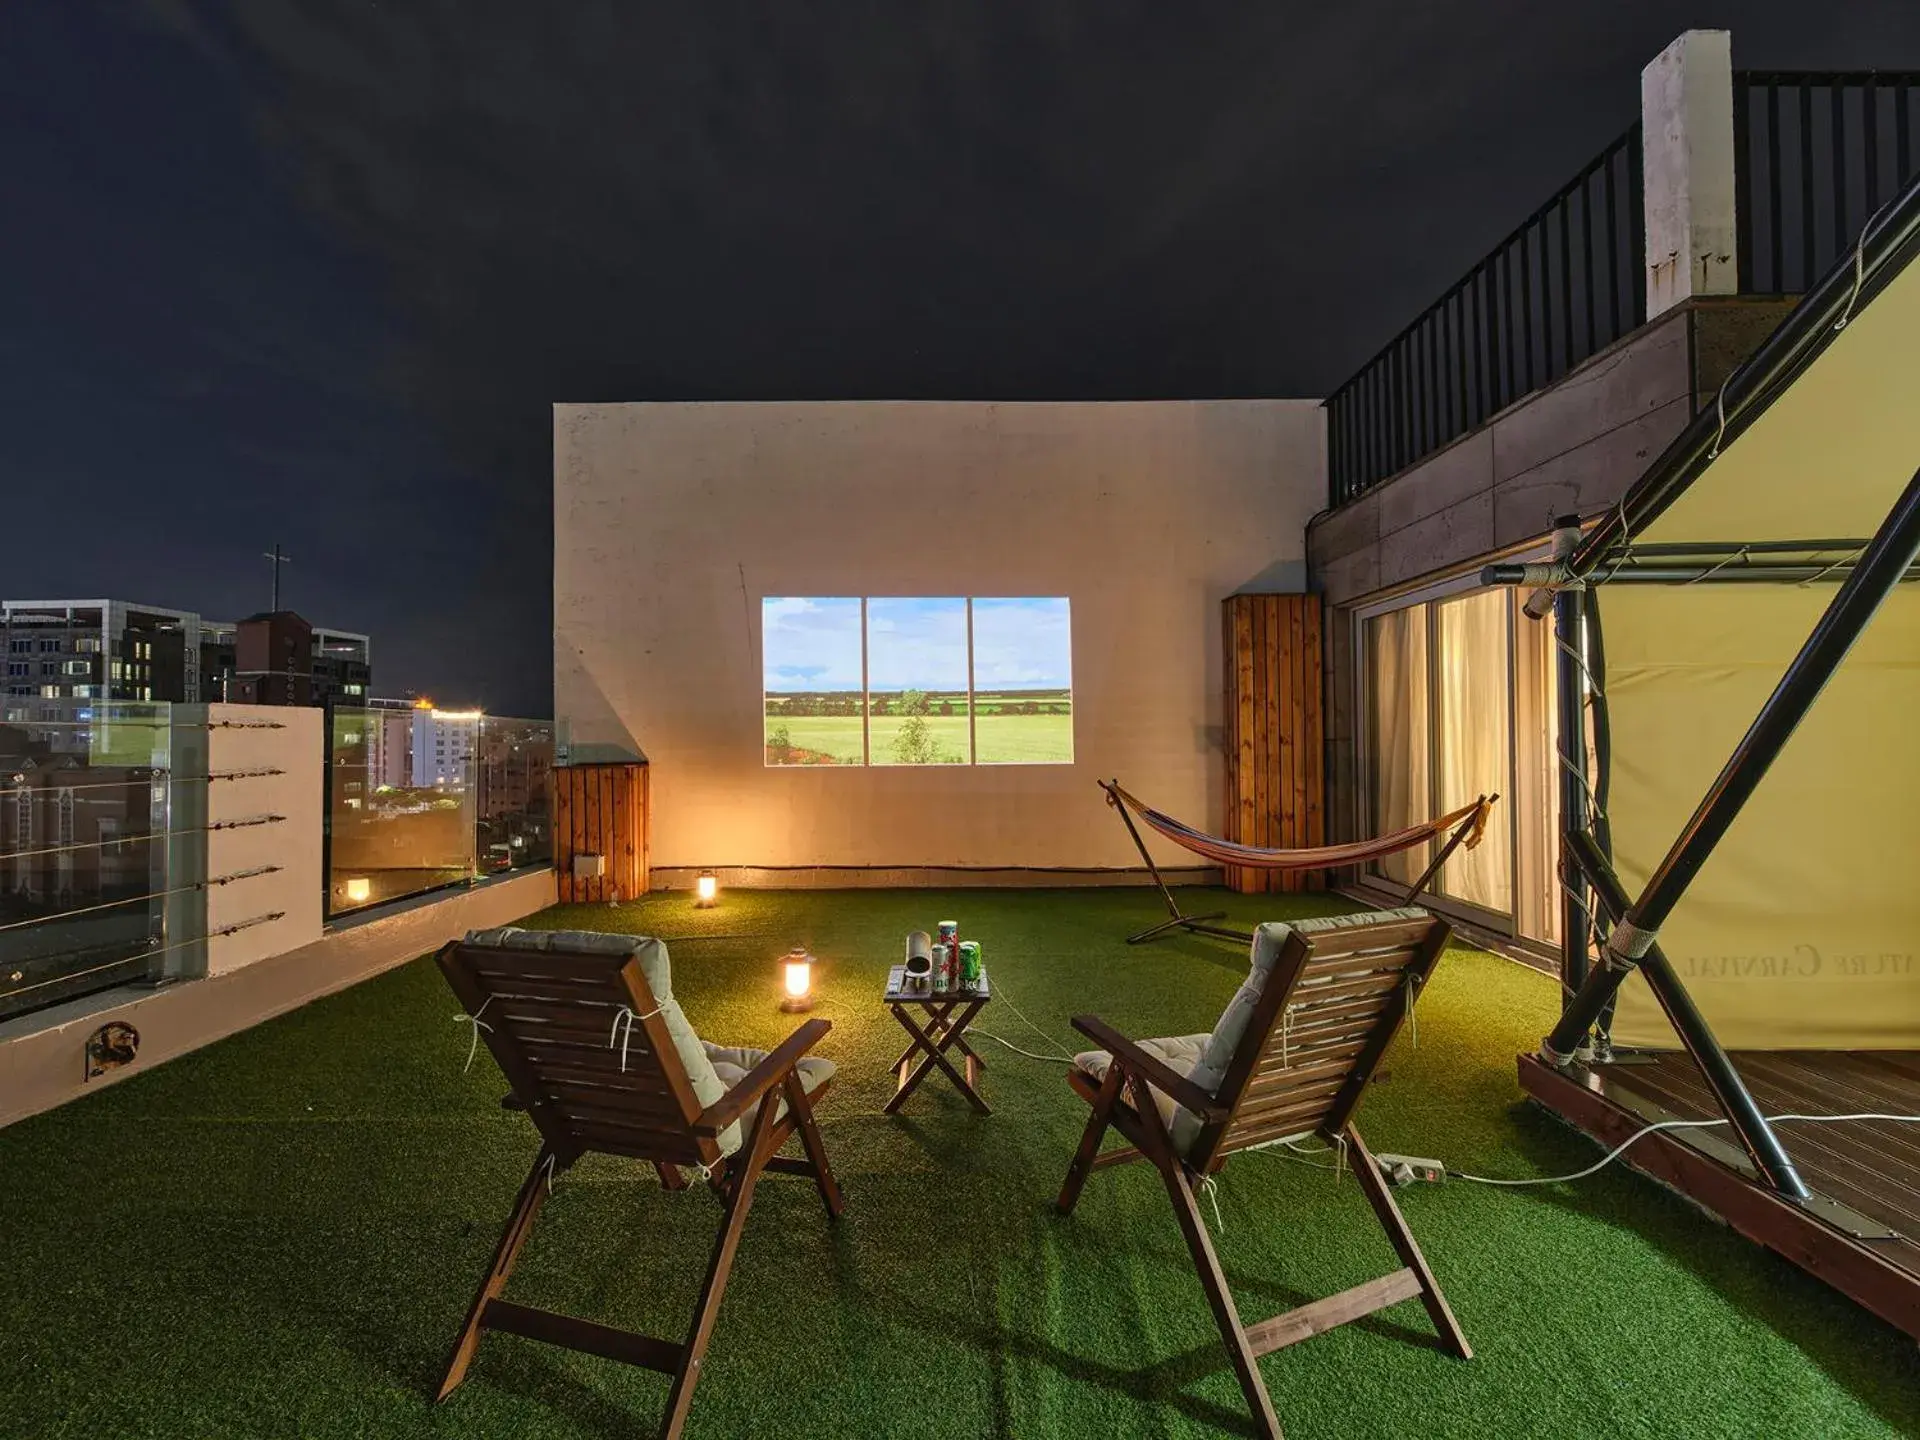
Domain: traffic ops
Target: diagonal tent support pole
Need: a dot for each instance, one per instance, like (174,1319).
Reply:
(1886,559)
(1569,653)
(1736,1101)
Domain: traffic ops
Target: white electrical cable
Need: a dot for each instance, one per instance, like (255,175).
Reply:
(1049,1059)
(1622,1147)
(999,993)
(1298,1156)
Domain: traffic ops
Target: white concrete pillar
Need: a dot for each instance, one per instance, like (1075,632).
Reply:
(1686,125)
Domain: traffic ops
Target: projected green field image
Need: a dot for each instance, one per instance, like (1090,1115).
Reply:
(909,703)
(815,693)
(1007,732)
(917,682)
(1022,682)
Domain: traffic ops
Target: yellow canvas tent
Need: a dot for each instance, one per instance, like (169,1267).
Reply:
(1739,673)
(1802,927)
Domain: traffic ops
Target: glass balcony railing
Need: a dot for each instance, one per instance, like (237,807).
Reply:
(88,797)
(513,786)
(420,798)
(136,839)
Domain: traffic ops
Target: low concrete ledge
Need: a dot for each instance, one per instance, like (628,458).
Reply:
(43,1055)
(924,877)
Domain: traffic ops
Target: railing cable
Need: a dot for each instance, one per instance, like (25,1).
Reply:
(143,837)
(160,776)
(142,955)
(227,879)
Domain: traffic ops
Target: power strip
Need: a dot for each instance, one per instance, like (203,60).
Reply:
(1405,1169)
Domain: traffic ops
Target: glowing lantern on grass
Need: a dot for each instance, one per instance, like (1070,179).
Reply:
(706,890)
(796,974)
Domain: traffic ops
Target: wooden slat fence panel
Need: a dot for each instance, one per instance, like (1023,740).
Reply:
(601,810)
(1275,732)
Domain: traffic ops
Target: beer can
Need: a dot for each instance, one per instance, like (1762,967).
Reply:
(950,931)
(942,967)
(970,965)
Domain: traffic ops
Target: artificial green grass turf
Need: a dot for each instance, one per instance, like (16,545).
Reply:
(278,1235)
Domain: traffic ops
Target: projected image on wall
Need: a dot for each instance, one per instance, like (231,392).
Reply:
(1022,682)
(917,682)
(938,681)
(814,690)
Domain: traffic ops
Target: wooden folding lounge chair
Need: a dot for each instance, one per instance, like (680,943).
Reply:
(1290,1058)
(600,1056)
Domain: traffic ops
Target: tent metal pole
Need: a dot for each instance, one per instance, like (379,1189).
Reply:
(1736,1102)
(1887,557)
(1571,725)
(1743,573)
(1600,826)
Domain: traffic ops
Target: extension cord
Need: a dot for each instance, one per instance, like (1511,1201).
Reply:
(1405,1169)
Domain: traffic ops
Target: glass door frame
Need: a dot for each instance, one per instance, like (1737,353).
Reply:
(1507,924)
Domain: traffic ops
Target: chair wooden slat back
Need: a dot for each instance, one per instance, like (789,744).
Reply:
(550,1020)
(1332,1004)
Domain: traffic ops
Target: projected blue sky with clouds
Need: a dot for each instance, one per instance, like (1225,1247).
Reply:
(813,643)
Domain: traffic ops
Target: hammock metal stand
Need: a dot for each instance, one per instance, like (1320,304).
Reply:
(1192,924)
(1467,828)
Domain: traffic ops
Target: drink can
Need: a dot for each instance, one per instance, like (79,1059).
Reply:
(970,967)
(950,931)
(942,966)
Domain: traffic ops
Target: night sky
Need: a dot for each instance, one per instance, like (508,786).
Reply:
(312,271)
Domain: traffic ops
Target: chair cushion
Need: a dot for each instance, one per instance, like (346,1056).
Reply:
(652,955)
(732,1065)
(1180,1053)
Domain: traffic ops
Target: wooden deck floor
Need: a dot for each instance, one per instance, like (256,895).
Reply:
(1871,1168)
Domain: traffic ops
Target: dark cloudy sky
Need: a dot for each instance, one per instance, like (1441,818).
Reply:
(312,271)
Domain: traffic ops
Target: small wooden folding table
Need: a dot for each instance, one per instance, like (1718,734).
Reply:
(948,1013)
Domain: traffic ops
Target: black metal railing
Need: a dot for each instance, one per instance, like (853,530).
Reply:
(1566,283)
(1816,154)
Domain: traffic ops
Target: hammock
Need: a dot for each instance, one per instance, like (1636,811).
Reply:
(1467,825)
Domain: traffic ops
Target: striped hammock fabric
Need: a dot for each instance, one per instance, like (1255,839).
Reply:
(1324,857)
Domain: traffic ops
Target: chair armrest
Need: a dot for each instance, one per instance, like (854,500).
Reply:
(762,1078)
(1157,1073)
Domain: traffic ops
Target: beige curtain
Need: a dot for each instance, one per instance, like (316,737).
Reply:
(1399,724)
(1473,741)
(1535,809)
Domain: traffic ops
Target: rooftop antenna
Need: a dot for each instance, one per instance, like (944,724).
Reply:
(278,560)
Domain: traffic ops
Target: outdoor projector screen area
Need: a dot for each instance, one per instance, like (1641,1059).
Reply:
(917,681)
(873,642)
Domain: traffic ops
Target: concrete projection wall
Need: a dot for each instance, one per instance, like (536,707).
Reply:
(672,521)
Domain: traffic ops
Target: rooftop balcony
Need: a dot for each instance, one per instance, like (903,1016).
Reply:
(293,1137)
(280,1233)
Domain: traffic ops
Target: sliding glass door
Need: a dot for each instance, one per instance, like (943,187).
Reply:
(1458,704)
(1400,765)
(1473,741)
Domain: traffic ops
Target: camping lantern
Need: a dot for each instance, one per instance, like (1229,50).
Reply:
(706,891)
(796,974)
(359,890)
